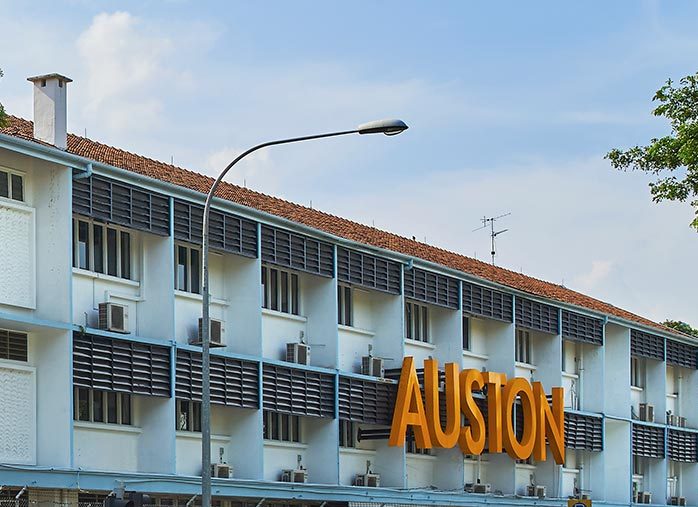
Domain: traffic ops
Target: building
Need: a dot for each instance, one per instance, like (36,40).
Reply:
(100,376)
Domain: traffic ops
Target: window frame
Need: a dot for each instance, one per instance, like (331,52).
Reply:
(281,427)
(189,275)
(122,399)
(193,415)
(637,372)
(348,431)
(345,305)
(523,352)
(10,187)
(467,341)
(105,257)
(417,321)
(281,290)
(5,335)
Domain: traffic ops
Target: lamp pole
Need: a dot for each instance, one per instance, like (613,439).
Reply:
(387,127)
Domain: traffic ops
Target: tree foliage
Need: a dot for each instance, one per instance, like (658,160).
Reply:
(673,158)
(681,326)
(3,115)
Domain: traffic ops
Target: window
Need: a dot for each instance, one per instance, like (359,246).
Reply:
(187,269)
(281,290)
(11,185)
(411,446)
(637,377)
(345,310)
(347,434)
(523,346)
(188,416)
(13,345)
(416,322)
(466,333)
(109,407)
(282,427)
(638,465)
(101,248)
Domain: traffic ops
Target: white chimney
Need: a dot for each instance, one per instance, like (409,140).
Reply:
(50,109)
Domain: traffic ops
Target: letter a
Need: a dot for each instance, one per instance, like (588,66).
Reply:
(409,409)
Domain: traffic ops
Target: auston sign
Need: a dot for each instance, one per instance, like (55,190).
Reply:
(541,421)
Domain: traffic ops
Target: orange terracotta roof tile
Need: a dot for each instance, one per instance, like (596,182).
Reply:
(326,222)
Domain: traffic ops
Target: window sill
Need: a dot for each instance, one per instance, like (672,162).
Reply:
(425,457)
(571,471)
(9,364)
(353,450)
(14,203)
(285,445)
(111,428)
(198,297)
(475,355)
(284,316)
(672,396)
(526,366)
(417,343)
(570,375)
(637,389)
(107,278)
(356,330)
(195,435)
(525,466)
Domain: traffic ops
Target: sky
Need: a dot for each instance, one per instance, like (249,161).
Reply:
(511,107)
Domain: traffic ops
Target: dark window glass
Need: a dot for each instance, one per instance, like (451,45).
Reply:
(274,426)
(295,295)
(285,427)
(425,324)
(196,416)
(408,320)
(97,406)
(348,317)
(195,267)
(296,429)
(183,416)
(4,187)
(265,302)
(125,255)
(284,292)
(83,402)
(182,268)
(417,322)
(111,408)
(17,188)
(112,266)
(466,333)
(125,408)
(274,289)
(98,242)
(83,245)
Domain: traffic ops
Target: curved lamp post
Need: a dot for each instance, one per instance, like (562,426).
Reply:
(387,127)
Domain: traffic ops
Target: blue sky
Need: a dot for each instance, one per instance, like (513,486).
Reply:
(511,105)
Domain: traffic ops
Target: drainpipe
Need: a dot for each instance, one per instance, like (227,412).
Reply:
(85,174)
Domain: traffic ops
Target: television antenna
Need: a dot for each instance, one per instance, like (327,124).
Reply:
(489,221)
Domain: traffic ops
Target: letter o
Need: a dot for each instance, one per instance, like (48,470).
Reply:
(519,387)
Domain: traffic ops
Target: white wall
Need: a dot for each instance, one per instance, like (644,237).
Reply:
(617,371)
(420,471)
(18,414)
(106,447)
(618,461)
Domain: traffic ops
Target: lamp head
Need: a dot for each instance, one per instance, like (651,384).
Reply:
(387,127)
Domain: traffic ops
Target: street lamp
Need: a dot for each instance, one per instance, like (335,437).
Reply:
(387,127)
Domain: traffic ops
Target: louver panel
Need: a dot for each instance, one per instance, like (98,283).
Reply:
(536,316)
(682,446)
(123,204)
(486,302)
(368,271)
(298,252)
(582,328)
(432,288)
(13,345)
(234,382)
(583,432)
(297,391)
(120,365)
(681,354)
(366,401)
(648,441)
(228,232)
(646,345)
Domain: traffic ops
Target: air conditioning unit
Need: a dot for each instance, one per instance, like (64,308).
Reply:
(368,480)
(644,497)
(221,471)
(372,366)
(216,334)
(533,490)
(113,317)
(646,412)
(482,488)
(681,421)
(296,475)
(298,353)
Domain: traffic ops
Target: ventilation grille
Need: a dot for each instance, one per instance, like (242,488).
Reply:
(228,233)
(681,354)
(298,252)
(581,328)
(365,401)
(429,287)
(297,391)
(583,432)
(648,441)
(120,365)
(234,382)
(646,345)
(13,345)
(487,302)
(122,204)
(682,446)
(368,271)
(536,316)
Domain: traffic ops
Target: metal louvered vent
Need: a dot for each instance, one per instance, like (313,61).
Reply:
(297,391)
(682,446)
(646,345)
(123,204)
(582,328)
(583,432)
(489,303)
(366,401)
(228,232)
(429,287)
(648,441)
(13,345)
(120,365)
(536,316)
(681,354)
(298,252)
(368,271)
(234,382)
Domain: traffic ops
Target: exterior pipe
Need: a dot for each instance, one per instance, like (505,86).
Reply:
(85,174)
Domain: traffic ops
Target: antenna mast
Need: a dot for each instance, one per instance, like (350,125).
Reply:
(493,234)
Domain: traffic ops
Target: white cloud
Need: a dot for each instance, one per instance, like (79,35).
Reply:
(598,273)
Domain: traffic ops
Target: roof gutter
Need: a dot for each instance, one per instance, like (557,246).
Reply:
(44,152)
